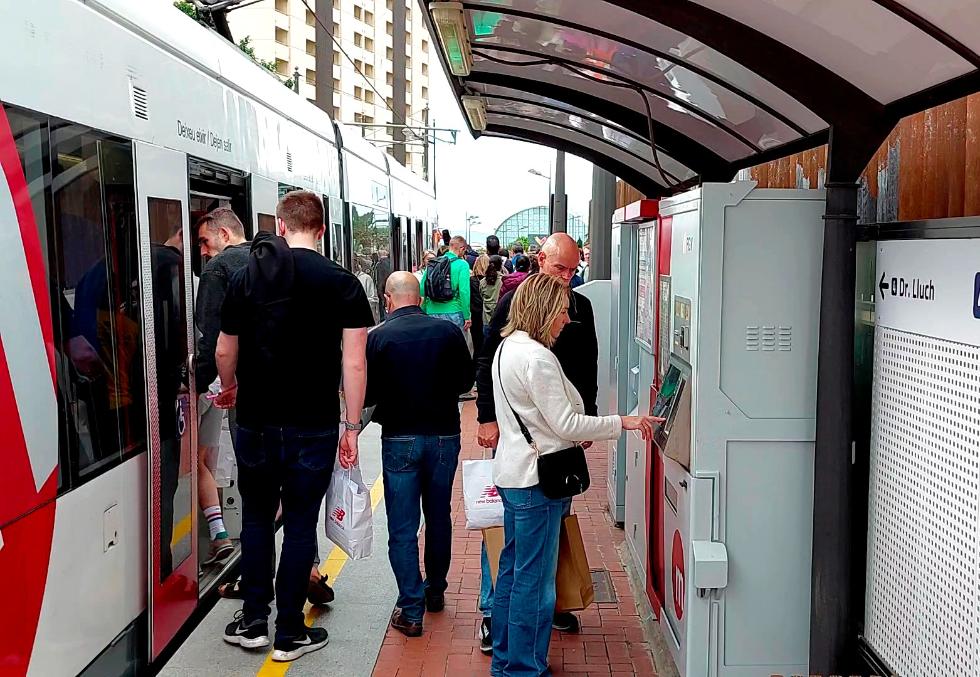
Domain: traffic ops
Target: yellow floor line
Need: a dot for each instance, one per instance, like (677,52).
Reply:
(331,568)
(181,530)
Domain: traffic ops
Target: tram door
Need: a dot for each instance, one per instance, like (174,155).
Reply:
(402,243)
(418,245)
(165,270)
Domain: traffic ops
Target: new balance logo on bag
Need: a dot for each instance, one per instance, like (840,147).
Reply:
(489,495)
(338,514)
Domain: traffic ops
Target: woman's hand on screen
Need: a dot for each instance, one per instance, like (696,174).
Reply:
(645,424)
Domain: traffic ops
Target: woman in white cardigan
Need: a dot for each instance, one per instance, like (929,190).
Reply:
(529,380)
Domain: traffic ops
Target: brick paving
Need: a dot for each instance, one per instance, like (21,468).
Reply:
(611,642)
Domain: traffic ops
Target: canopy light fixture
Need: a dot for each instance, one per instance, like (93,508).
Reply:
(476,111)
(453,35)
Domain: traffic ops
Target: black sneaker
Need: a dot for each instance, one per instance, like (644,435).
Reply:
(435,601)
(291,649)
(565,621)
(251,635)
(486,637)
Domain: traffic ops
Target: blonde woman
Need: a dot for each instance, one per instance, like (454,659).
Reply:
(528,380)
(427,256)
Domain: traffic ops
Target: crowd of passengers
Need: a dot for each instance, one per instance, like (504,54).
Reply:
(505,320)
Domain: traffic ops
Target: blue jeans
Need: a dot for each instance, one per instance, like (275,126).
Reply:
(486,580)
(524,599)
(419,469)
(486,583)
(456,318)
(291,466)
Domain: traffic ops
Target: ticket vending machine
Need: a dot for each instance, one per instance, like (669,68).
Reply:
(624,357)
(739,394)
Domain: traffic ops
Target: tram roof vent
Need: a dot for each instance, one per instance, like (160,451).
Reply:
(289,161)
(141,106)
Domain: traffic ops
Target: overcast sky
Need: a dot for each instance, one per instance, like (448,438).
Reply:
(489,177)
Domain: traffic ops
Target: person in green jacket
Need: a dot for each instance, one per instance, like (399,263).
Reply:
(456,310)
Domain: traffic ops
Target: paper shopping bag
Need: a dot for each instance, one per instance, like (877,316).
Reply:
(494,540)
(482,503)
(349,518)
(573,581)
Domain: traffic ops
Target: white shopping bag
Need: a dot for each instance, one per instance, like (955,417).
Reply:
(349,519)
(484,509)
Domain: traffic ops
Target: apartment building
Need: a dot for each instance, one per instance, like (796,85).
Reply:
(283,32)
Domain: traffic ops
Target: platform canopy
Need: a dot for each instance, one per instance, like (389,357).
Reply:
(717,85)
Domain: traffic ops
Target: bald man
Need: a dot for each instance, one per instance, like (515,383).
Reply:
(418,366)
(577,350)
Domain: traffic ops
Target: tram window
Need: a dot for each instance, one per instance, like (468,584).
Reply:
(267,223)
(334,208)
(286,188)
(371,242)
(83,196)
(96,235)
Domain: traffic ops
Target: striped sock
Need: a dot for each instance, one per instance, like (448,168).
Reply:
(216,525)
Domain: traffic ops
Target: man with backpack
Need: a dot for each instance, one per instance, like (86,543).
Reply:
(445,286)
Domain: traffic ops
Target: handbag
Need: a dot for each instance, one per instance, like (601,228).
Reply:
(561,474)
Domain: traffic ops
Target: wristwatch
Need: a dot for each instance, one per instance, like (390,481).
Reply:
(352,426)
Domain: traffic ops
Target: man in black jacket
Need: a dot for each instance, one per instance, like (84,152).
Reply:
(221,237)
(577,350)
(418,366)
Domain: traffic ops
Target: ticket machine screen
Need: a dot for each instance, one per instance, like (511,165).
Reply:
(668,392)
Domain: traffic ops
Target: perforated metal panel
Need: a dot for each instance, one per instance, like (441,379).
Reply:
(923,536)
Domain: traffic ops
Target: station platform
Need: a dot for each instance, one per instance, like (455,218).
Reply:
(613,641)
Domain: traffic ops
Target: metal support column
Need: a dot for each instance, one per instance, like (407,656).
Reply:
(399,52)
(830,609)
(559,201)
(323,59)
(601,209)
(836,591)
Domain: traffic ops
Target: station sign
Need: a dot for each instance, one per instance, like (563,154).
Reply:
(930,287)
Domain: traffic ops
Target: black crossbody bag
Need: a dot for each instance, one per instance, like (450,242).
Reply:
(561,474)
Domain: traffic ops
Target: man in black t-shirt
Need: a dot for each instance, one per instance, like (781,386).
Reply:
(285,319)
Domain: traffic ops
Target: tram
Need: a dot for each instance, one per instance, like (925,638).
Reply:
(129,122)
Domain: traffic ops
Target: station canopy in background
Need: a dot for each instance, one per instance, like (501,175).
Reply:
(719,85)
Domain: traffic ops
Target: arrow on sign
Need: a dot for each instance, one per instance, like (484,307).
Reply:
(883,286)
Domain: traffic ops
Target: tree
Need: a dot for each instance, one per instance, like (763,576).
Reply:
(523,241)
(187,8)
(245,44)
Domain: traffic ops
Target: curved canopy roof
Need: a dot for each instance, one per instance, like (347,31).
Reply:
(717,85)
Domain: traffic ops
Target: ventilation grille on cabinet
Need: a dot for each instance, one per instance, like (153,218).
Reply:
(768,338)
(923,598)
(141,106)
